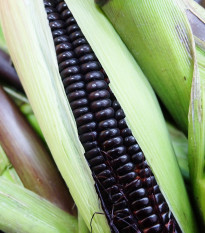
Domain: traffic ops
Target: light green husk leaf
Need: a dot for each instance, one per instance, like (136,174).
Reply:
(34,57)
(22,211)
(82,228)
(2,40)
(158,34)
(6,169)
(197,134)
(180,145)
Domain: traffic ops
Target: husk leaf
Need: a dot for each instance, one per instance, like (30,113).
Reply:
(158,34)
(22,211)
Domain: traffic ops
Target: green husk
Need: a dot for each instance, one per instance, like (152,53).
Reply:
(197,135)
(6,169)
(22,211)
(180,145)
(45,92)
(158,34)
(2,40)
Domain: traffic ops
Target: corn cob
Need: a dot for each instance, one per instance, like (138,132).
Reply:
(129,194)
(114,107)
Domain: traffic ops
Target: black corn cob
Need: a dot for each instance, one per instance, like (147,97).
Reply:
(125,184)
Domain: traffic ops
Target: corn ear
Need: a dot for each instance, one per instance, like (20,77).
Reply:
(25,212)
(158,34)
(33,54)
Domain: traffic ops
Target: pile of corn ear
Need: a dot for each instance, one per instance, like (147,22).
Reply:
(82,83)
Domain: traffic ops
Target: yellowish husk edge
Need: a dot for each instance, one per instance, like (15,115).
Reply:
(61,131)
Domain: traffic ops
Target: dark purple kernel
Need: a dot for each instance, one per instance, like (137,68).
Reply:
(58,32)
(50,10)
(120,161)
(129,141)
(92,153)
(138,158)
(96,85)
(100,104)
(97,161)
(55,25)
(53,16)
(79,42)
(149,221)
(104,114)
(145,173)
(118,151)
(72,79)
(154,229)
(65,55)
(128,177)
(70,71)
(117,197)
(113,190)
(99,168)
(75,86)
(61,6)
(144,212)
(87,58)
(100,94)
(109,133)
(76,95)
(84,119)
(61,39)
(107,124)
(163,208)
(134,149)
(66,14)
(115,105)
(104,174)
(94,75)
(140,203)
(90,66)
(63,47)
(87,127)
(120,205)
(49,3)
(73,28)
(68,63)
(74,35)
(88,137)
(139,193)
(119,114)
(122,124)
(80,111)
(134,185)
(126,132)
(159,198)
(111,143)
(125,168)
(79,103)
(109,182)
(90,145)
